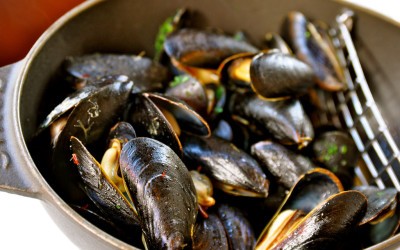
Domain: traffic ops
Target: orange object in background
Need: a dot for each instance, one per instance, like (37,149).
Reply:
(23,21)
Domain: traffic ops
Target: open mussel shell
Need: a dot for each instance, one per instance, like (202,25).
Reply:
(238,229)
(209,233)
(144,72)
(231,169)
(328,226)
(202,48)
(163,192)
(234,71)
(77,96)
(104,194)
(187,118)
(275,75)
(150,121)
(311,189)
(285,165)
(191,91)
(90,121)
(311,48)
(382,218)
(217,96)
(285,120)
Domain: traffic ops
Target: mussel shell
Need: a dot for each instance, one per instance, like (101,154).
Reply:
(192,92)
(77,96)
(146,74)
(285,165)
(226,164)
(223,130)
(227,74)
(238,229)
(149,121)
(329,225)
(104,194)
(335,149)
(311,189)
(163,192)
(209,233)
(123,132)
(310,50)
(201,48)
(285,120)
(275,75)
(187,118)
(379,201)
(90,121)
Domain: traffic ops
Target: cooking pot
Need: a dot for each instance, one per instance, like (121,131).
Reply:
(125,26)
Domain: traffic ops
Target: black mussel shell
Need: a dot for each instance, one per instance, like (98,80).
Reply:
(335,149)
(104,194)
(328,226)
(223,130)
(191,91)
(380,201)
(163,192)
(76,97)
(238,229)
(275,75)
(201,48)
(144,72)
(209,233)
(231,169)
(311,189)
(123,132)
(149,121)
(285,165)
(285,120)
(307,44)
(90,121)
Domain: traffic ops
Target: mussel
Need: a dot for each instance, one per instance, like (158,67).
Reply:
(275,75)
(284,120)
(231,169)
(163,192)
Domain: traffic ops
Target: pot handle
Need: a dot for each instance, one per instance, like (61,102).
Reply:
(15,175)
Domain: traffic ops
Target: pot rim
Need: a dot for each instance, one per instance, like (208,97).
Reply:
(46,192)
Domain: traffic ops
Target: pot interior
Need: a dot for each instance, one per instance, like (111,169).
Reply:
(131,27)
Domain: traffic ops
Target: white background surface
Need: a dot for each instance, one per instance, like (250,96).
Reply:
(24,224)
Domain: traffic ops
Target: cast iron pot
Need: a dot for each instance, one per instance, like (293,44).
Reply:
(130,27)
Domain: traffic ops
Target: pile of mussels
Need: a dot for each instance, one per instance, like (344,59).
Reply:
(212,144)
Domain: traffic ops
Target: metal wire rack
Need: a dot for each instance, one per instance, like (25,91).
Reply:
(356,111)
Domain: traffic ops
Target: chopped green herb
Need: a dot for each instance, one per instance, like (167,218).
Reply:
(178,80)
(379,193)
(165,28)
(219,91)
(343,162)
(327,157)
(335,169)
(187,93)
(343,149)
(218,110)
(117,206)
(307,34)
(238,36)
